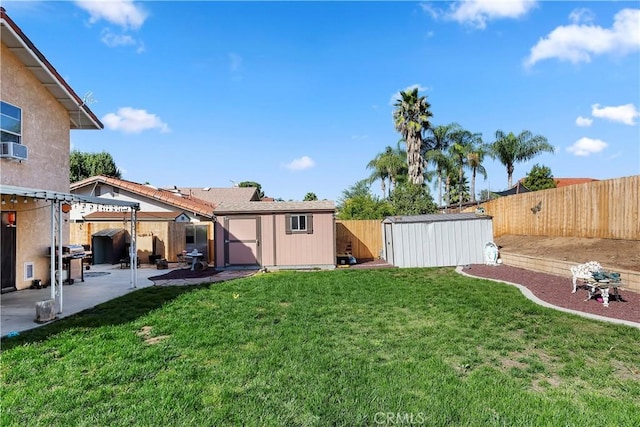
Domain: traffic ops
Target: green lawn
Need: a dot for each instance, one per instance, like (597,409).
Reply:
(348,347)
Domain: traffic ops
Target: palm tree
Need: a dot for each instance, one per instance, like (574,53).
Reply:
(411,118)
(475,157)
(379,172)
(509,149)
(438,140)
(464,144)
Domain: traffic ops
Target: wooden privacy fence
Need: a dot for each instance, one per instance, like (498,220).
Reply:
(607,209)
(363,238)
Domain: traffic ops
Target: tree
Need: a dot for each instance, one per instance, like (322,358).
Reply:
(465,145)
(411,119)
(438,141)
(486,195)
(310,196)
(390,164)
(357,202)
(255,185)
(510,149)
(412,199)
(458,190)
(475,157)
(539,178)
(84,165)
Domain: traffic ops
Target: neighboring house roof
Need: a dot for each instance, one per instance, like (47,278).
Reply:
(516,189)
(81,117)
(435,218)
(565,182)
(221,195)
(197,206)
(125,216)
(268,207)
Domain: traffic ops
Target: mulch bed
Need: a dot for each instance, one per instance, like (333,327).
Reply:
(185,273)
(557,291)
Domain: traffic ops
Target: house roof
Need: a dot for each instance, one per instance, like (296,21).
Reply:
(222,195)
(124,216)
(516,189)
(269,207)
(80,116)
(565,182)
(435,218)
(197,206)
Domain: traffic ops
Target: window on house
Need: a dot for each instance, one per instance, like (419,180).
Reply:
(10,123)
(299,223)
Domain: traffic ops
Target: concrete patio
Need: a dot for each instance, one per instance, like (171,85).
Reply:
(102,283)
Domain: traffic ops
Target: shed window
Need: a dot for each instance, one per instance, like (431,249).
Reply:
(299,223)
(10,123)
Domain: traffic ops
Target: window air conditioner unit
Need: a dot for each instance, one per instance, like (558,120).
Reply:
(13,150)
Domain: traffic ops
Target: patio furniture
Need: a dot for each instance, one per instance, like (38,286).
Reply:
(597,281)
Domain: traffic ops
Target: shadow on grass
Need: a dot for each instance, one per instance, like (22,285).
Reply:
(118,311)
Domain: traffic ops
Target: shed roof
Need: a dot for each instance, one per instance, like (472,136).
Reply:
(267,207)
(108,232)
(80,116)
(435,218)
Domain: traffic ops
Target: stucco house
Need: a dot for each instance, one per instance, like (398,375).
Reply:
(275,235)
(168,222)
(38,109)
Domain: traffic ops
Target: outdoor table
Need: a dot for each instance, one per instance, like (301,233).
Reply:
(593,286)
(195,257)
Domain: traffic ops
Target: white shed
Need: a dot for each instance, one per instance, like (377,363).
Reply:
(437,240)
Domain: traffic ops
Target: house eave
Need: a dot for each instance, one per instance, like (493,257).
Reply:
(80,116)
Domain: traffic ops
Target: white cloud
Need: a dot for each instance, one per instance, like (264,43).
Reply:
(478,12)
(622,113)
(114,40)
(579,42)
(584,122)
(396,96)
(581,15)
(131,120)
(586,146)
(302,163)
(123,13)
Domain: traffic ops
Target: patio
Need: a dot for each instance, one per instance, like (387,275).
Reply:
(102,283)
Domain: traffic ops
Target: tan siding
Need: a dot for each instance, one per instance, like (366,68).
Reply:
(306,249)
(45,131)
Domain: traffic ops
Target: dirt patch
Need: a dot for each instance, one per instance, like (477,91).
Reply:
(185,273)
(621,254)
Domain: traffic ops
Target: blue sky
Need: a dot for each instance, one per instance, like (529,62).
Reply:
(298,95)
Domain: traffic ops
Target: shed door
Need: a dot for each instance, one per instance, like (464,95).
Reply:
(388,241)
(241,241)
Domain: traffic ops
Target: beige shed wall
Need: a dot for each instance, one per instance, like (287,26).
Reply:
(317,248)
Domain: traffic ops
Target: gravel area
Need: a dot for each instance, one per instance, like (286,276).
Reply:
(557,291)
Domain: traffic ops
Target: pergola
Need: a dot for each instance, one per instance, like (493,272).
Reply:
(58,201)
